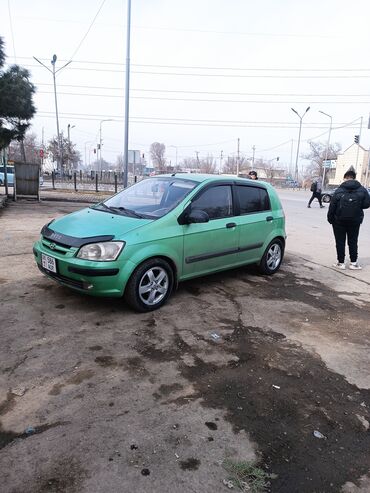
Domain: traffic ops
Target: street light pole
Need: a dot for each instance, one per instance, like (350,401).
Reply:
(88,142)
(299,140)
(54,72)
(175,147)
(327,147)
(127,94)
(69,142)
(100,142)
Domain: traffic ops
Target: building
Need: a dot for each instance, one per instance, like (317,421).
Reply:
(357,157)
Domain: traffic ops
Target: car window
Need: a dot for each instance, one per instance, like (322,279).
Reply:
(153,197)
(215,201)
(252,199)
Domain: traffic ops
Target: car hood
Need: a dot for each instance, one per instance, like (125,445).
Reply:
(88,223)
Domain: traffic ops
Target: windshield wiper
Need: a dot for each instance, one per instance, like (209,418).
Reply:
(129,211)
(101,204)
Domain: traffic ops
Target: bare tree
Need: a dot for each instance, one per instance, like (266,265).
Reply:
(157,154)
(317,156)
(31,150)
(270,167)
(230,166)
(207,165)
(71,157)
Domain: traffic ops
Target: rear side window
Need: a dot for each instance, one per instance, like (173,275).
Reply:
(252,199)
(216,202)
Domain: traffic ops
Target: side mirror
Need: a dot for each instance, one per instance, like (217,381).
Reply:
(197,216)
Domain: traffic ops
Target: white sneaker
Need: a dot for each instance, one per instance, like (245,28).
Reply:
(338,265)
(355,266)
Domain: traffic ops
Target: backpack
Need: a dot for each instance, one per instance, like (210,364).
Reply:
(349,206)
(313,186)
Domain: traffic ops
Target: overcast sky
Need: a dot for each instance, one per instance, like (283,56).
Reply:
(203,72)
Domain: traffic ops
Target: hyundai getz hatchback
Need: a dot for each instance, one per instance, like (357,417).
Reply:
(142,241)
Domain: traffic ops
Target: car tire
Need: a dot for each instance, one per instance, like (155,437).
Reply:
(150,285)
(272,258)
(326,198)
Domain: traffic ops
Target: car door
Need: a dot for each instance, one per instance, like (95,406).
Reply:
(255,221)
(212,245)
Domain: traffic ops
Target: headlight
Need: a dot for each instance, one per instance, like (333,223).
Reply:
(101,252)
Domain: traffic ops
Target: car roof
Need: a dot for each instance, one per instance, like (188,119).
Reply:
(200,178)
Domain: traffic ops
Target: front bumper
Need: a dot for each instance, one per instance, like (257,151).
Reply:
(93,278)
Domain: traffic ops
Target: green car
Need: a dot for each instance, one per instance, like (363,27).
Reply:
(169,228)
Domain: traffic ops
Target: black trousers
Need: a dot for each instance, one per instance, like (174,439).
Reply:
(315,195)
(350,232)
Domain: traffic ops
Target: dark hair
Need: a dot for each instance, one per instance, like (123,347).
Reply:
(252,173)
(350,174)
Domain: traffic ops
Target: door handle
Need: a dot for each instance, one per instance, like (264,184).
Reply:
(269,218)
(230,225)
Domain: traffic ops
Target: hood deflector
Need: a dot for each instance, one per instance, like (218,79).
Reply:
(71,241)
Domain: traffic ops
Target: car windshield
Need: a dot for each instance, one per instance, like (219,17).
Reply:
(150,199)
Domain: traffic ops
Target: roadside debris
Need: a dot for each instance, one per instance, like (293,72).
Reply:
(19,391)
(215,336)
(30,430)
(363,421)
(228,483)
(276,387)
(145,472)
(317,434)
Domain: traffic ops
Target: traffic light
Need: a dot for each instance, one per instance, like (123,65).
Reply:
(94,151)
(357,139)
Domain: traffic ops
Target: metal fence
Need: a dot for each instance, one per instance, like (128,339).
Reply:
(106,181)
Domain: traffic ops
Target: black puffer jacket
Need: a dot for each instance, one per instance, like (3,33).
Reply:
(360,193)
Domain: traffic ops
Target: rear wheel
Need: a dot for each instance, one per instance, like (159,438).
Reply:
(272,257)
(326,198)
(150,285)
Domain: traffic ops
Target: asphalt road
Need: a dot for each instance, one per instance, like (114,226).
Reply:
(97,399)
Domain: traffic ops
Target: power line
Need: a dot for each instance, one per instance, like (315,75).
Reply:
(158,98)
(198,67)
(11,30)
(87,32)
(184,91)
(184,121)
(178,74)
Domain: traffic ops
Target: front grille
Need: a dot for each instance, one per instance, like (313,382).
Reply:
(57,247)
(65,280)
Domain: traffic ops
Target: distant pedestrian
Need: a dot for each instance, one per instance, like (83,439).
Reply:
(346,214)
(316,189)
(253,175)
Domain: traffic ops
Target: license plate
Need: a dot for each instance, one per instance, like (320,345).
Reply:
(48,263)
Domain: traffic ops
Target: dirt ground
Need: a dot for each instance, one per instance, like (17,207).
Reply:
(95,398)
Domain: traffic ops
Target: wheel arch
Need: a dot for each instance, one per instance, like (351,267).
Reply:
(167,259)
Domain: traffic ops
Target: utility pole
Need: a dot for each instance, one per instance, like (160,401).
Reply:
(197,153)
(358,145)
(127,94)
(54,72)
(238,158)
(291,158)
(299,140)
(221,157)
(254,150)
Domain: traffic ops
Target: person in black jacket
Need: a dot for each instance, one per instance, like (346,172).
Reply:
(346,214)
(316,189)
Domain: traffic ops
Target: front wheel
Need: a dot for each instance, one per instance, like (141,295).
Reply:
(150,285)
(272,257)
(326,198)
